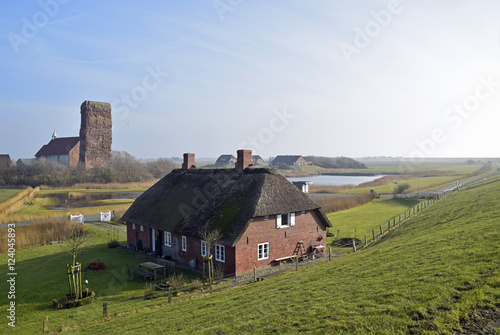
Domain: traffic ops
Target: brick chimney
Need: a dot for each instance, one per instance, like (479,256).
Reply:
(244,160)
(188,161)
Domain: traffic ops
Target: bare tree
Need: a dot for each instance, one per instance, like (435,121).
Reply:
(79,242)
(211,237)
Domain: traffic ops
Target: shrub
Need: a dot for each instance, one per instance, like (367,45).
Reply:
(149,291)
(177,282)
(218,273)
(196,285)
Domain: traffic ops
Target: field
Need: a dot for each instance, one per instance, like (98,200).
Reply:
(356,222)
(438,273)
(7,193)
(36,209)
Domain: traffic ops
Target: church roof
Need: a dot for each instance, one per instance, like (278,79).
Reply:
(58,146)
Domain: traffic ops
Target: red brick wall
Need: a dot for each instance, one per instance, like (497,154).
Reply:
(74,156)
(134,235)
(282,241)
(193,251)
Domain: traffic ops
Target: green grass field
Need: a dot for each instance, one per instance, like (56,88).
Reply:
(432,275)
(356,222)
(8,193)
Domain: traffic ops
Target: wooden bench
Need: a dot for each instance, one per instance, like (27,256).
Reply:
(137,271)
(285,259)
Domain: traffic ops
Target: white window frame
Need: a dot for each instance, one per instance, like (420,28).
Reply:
(263,251)
(290,220)
(184,243)
(204,249)
(168,238)
(133,226)
(220,253)
(142,227)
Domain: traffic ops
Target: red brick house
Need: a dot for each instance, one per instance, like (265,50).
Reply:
(290,160)
(259,214)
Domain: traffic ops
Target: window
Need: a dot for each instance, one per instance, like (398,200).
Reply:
(184,243)
(203,248)
(142,227)
(266,217)
(220,253)
(168,239)
(133,225)
(303,213)
(263,251)
(285,220)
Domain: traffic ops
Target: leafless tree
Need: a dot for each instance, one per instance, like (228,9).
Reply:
(79,242)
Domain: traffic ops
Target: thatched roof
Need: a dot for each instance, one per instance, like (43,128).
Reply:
(189,202)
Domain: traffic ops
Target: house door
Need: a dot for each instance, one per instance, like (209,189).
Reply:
(153,239)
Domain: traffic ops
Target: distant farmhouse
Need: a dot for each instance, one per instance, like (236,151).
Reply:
(225,160)
(290,160)
(260,216)
(257,160)
(93,146)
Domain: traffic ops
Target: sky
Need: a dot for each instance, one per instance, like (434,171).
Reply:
(299,77)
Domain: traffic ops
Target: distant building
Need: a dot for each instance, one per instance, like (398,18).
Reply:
(63,150)
(226,160)
(257,160)
(24,162)
(5,161)
(290,160)
(93,146)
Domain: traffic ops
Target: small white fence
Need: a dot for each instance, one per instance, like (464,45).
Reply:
(77,218)
(106,216)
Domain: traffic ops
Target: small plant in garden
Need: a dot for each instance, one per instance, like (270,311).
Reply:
(196,285)
(218,273)
(113,240)
(177,282)
(149,291)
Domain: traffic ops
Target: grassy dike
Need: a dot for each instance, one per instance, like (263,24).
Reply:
(439,273)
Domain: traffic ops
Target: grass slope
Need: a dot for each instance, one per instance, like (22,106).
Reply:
(356,222)
(429,276)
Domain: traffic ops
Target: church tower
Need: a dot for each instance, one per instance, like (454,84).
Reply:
(95,133)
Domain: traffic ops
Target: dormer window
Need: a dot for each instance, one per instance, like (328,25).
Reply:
(285,220)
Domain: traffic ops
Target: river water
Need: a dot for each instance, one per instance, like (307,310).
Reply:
(325,180)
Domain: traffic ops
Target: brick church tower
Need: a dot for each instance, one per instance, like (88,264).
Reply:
(95,133)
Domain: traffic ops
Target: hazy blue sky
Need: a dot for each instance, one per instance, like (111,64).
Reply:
(351,78)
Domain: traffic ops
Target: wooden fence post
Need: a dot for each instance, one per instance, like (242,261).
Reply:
(255,274)
(170,294)
(329,253)
(105,309)
(381,230)
(46,324)
(296,264)
(353,245)
(373,232)
(366,241)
